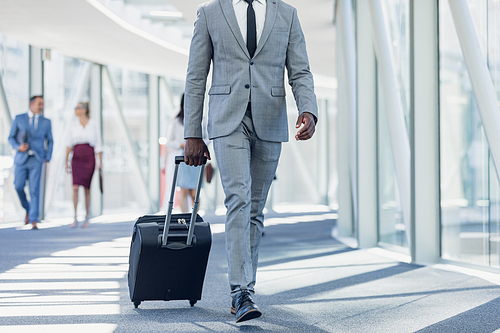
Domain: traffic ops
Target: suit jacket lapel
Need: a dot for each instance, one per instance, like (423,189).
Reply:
(228,11)
(27,124)
(27,120)
(271,10)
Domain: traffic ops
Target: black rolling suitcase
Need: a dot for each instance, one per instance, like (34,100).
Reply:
(169,254)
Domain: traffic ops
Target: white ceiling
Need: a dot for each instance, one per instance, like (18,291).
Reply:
(76,28)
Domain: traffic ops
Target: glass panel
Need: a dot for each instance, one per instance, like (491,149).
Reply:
(306,173)
(132,88)
(14,65)
(14,70)
(121,187)
(494,64)
(494,239)
(391,224)
(464,160)
(170,96)
(62,76)
(391,227)
(294,155)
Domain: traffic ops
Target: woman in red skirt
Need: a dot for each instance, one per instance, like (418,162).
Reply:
(85,142)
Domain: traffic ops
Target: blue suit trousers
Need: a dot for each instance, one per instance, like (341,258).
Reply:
(30,170)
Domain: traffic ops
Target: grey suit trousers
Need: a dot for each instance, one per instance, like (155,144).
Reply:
(247,166)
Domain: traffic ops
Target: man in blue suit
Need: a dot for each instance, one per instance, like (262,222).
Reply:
(31,137)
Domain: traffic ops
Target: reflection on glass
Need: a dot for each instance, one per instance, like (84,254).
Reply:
(14,65)
(61,78)
(494,64)
(119,180)
(289,187)
(391,224)
(14,70)
(391,228)
(469,184)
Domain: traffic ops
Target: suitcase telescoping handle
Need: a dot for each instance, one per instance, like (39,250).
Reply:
(179,160)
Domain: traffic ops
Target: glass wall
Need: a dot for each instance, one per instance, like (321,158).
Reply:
(493,41)
(62,77)
(121,186)
(14,76)
(470,192)
(314,155)
(14,70)
(391,228)
(124,116)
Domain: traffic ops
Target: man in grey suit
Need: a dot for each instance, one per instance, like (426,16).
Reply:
(249,44)
(31,137)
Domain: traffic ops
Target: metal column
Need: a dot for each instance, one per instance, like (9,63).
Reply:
(96,197)
(425,133)
(154,146)
(36,88)
(367,128)
(347,120)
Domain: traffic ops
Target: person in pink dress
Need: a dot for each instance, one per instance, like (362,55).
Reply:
(85,142)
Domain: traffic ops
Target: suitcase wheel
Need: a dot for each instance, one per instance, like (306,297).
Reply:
(192,302)
(136,304)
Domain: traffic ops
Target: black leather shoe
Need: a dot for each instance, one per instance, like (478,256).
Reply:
(245,307)
(233,306)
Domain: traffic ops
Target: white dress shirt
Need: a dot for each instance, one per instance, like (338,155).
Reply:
(31,115)
(90,134)
(240,9)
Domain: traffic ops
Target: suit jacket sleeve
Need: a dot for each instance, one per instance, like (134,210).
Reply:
(200,57)
(12,135)
(299,75)
(50,142)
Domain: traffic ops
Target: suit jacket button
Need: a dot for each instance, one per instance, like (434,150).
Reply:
(247,86)
(251,62)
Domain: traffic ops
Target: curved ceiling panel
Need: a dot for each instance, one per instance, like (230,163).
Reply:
(78,29)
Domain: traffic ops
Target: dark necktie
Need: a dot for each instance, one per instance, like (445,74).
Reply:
(251,29)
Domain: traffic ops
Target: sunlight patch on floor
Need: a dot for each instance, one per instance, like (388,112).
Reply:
(73,328)
(83,281)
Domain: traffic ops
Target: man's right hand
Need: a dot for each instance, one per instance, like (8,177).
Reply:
(23,147)
(194,150)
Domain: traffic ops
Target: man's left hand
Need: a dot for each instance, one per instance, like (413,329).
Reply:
(305,132)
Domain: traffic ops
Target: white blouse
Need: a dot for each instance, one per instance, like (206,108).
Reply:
(175,136)
(90,134)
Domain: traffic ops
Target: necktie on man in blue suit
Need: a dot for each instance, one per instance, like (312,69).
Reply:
(32,124)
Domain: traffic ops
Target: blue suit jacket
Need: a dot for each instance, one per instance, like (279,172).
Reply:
(20,132)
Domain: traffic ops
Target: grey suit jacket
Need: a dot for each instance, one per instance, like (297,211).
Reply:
(238,79)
